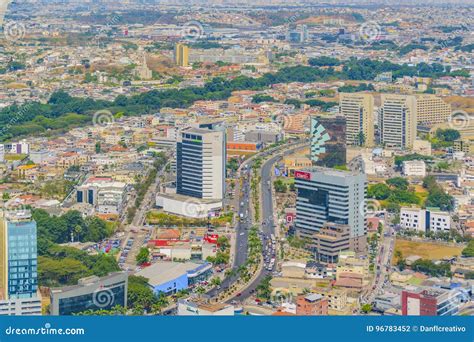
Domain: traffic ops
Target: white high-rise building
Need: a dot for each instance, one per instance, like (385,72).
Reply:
(200,163)
(358,109)
(397,120)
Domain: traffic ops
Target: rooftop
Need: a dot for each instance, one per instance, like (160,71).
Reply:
(162,272)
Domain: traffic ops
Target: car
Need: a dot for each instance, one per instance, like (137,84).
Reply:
(239,294)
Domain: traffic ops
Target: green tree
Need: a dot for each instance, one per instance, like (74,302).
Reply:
(216,281)
(223,242)
(469,250)
(139,294)
(366,308)
(280,186)
(264,288)
(378,191)
(142,256)
(398,183)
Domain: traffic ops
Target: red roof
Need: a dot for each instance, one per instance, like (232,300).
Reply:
(165,243)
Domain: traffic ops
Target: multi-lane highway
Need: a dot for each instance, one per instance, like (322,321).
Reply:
(243,226)
(382,263)
(267,218)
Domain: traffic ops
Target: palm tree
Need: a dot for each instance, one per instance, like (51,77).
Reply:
(200,290)
(216,281)
(182,293)
(161,303)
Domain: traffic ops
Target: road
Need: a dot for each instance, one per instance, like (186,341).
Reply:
(241,229)
(382,263)
(136,231)
(268,222)
(243,226)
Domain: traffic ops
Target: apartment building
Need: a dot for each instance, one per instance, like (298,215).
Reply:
(397,120)
(358,109)
(431,110)
(313,304)
(181,55)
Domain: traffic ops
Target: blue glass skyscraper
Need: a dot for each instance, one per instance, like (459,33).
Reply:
(18,258)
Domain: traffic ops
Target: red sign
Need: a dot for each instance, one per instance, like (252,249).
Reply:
(303,175)
(211,238)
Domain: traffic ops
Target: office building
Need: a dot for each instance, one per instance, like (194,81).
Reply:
(18,255)
(431,110)
(313,304)
(332,239)
(200,163)
(397,121)
(358,109)
(430,302)
(328,195)
(199,307)
(181,55)
(328,141)
(91,293)
(19,294)
(425,220)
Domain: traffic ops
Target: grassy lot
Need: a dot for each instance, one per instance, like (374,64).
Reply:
(14,157)
(421,193)
(425,250)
